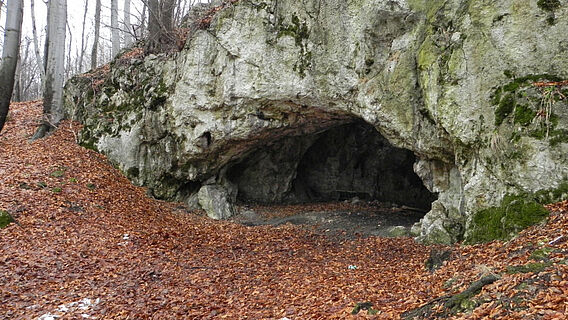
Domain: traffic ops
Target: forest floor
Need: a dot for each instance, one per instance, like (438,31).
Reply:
(88,244)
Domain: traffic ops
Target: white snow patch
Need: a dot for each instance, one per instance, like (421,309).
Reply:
(71,308)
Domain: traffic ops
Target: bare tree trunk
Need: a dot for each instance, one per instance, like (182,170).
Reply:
(17,91)
(143,20)
(36,43)
(153,25)
(115,35)
(167,8)
(29,72)
(160,26)
(21,75)
(67,66)
(127,26)
(12,33)
(82,53)
(94,52)
(46,44)
(178,12)
(55,72)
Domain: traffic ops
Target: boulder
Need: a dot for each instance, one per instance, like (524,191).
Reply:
(398,231)
(214,199)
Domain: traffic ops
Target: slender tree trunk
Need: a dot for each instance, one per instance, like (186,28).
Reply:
(17,91)
(160,26)
(36,43)
(153,25)
(46,44)
(12,33)
(115,35)
(167,8)
(127,26)
(82,53)
(31,73)
(68,68)
(143,20)
(95,50)
(55,72)
(178,12)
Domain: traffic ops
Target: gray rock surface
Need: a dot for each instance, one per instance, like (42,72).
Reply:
(214,199)
(448,80)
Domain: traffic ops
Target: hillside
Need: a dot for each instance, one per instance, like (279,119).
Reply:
(84,231)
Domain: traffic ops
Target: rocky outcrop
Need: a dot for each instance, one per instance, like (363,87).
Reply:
(451,81)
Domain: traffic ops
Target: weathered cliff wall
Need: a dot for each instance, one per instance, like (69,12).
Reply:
(452,81)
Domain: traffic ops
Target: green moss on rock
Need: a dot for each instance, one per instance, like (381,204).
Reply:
(557,137)
(504,109)
(515,98)
(524,115)
(300,32)
(5,219)
(549,5)
(535,267)
(297,30)
(513,215)
(553,195)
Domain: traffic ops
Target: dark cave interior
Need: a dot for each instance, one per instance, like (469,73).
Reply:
(340,163)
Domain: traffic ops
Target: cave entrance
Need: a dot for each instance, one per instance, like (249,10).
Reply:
(349,163)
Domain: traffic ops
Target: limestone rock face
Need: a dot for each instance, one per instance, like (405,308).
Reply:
(451,81)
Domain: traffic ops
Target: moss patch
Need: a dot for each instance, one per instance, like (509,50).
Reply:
(300,32)
(553,195)
(557,137)
(5,219)
(297,30)
(58,173)
(513,215)
(504,109)
(541,254)
(549,5)
(524,115)
(535,267)
(363,306)
(528,109)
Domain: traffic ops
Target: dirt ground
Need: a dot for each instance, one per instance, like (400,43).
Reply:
(349,219)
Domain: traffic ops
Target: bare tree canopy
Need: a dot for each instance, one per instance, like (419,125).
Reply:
(12,33)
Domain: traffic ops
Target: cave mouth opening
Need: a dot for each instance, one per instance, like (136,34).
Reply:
(344,162)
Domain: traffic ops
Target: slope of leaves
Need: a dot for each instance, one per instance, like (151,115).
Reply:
(84,232)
